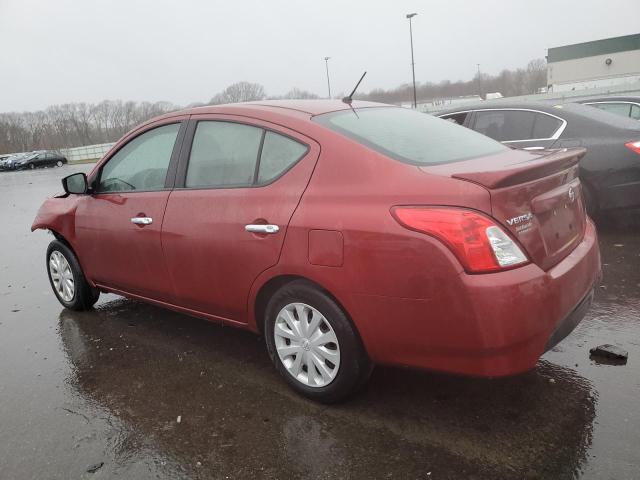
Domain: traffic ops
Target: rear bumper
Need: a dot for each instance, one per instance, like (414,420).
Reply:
(571,321)
(489,325)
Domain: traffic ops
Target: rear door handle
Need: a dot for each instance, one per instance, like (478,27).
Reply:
(262,228)
(142,220)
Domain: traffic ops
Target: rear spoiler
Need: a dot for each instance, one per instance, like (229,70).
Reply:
(550,162)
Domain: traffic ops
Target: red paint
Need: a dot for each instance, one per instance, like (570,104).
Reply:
(406,292)
(326,247)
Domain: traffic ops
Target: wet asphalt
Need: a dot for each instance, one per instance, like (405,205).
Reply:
(132,391)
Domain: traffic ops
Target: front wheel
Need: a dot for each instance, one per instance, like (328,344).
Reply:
(32,166)
(67,279)
(313,345)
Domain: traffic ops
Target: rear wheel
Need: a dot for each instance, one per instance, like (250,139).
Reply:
(59,163)
(313,344)
(67,279)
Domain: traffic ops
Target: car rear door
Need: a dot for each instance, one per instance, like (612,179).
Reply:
(118,224)
(239,182)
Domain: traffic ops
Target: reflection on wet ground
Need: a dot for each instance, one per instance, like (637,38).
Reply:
(236,417)
(155,394)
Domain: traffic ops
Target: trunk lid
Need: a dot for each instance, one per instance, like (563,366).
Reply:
(536,196)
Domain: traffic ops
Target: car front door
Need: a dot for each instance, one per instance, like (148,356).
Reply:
(118,224)
(519,128)
(39,160)
(238,185)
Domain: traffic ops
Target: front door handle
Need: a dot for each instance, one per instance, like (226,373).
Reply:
(262,228)
(142,220)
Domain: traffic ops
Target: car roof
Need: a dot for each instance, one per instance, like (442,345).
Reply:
(284,107)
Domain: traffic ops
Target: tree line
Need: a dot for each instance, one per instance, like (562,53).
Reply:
(76,124)
(509,83)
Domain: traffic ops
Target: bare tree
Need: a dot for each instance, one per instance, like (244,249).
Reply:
(299,94)
(536,75)
(74,124)
(239,92)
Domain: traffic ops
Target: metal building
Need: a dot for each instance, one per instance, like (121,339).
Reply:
(596,64)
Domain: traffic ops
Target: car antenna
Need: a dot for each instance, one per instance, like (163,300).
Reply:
(348,99)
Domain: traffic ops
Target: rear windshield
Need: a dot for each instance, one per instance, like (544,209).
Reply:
(410,136)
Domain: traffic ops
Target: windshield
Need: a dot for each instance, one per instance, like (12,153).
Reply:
(410,136)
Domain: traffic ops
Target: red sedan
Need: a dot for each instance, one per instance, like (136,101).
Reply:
(347,235)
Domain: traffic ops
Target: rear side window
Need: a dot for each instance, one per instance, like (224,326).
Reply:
(635,112)
(226,154)
(409,136)
(223,154)
(279,153)
(505,125)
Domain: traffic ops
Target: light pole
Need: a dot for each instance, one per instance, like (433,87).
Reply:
(479,81)
(413,68)
(326,64)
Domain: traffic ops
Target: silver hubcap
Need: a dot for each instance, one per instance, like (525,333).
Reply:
(62,276)
(307,345)
(59,163)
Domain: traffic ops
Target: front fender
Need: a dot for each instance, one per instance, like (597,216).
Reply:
(58,215)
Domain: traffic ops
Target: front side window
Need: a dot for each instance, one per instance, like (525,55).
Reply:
(142,163)
(223,154)
(409,136)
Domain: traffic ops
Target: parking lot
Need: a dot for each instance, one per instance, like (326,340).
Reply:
(134,391)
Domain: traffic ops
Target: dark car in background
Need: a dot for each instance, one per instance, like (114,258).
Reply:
(609,172)
(41,158)
(7,162)
(624,106)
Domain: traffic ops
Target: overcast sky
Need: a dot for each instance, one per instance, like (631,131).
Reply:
(57,51)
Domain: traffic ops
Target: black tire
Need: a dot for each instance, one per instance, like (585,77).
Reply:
(84,295)
(32,166)
(354,368)
(59,163)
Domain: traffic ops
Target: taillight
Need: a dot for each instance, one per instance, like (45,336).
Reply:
(479,244)
(635,146)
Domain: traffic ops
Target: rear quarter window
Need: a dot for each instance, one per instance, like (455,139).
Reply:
(279,153)
(409,136)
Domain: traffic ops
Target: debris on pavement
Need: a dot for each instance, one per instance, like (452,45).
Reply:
(95,468)
(610,352)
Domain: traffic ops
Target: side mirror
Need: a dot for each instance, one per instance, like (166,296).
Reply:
(76,183)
